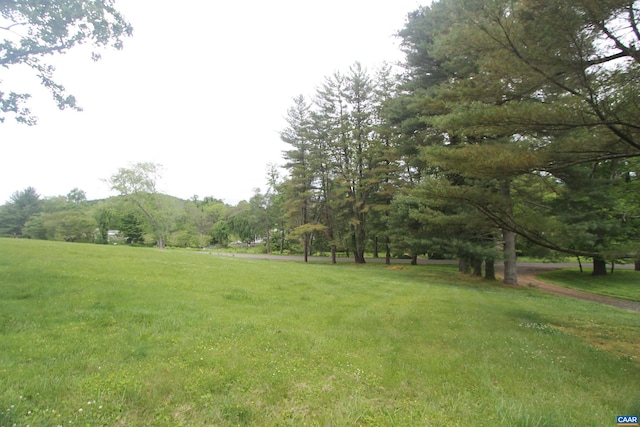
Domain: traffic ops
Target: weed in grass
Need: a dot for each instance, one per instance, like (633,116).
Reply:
(236,414)
(541,327)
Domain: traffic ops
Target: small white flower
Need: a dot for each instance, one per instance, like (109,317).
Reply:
(80,410)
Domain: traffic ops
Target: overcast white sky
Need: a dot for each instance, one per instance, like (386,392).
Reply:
(201,88)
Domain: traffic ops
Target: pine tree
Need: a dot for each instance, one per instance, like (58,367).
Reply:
(298,187)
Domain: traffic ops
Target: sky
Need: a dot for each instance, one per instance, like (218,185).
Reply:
(201,88)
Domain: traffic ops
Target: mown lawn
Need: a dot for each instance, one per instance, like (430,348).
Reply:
(118,336)
(622,283)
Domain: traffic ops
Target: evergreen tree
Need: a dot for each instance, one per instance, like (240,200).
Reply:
(299,186)
(132,227)
(528,90)
(21,207)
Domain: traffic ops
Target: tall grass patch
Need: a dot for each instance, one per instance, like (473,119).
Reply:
(104,335)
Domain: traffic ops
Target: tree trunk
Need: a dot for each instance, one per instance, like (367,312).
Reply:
(510,267)
(375,247)
(268,232)
(159,234)
(463,266)
(477,266)
(509,237)
(414,260)
(281,239)
(637,265)
(599,267)
(306,248)
(489,269)
(387,254)
(358,245)
(355,248)
(333,254)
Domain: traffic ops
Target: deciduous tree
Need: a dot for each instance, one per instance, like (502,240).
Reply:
(33,30)
(138,184)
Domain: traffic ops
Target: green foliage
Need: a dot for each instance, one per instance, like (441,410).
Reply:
(137,180)
(589,212)
(33,30)
(220,233)
(246,222)
(187,223)
(411,235)
(132,227)
(298,188)
(200,216)
(76,196)
(63,218)
(521,93)
(306,229)
(342,162)
(21,207)
(66,225)
(138,184)
(142,337)
(104,216)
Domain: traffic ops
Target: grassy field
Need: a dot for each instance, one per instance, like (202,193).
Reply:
(116,336)
(621,284)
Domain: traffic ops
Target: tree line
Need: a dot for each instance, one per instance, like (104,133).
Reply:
(511,127)
(139,218)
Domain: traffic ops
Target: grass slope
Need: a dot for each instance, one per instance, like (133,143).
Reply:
(119,336)
(623,284)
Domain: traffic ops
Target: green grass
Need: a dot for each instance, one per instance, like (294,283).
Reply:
(119,336)
(623,284)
